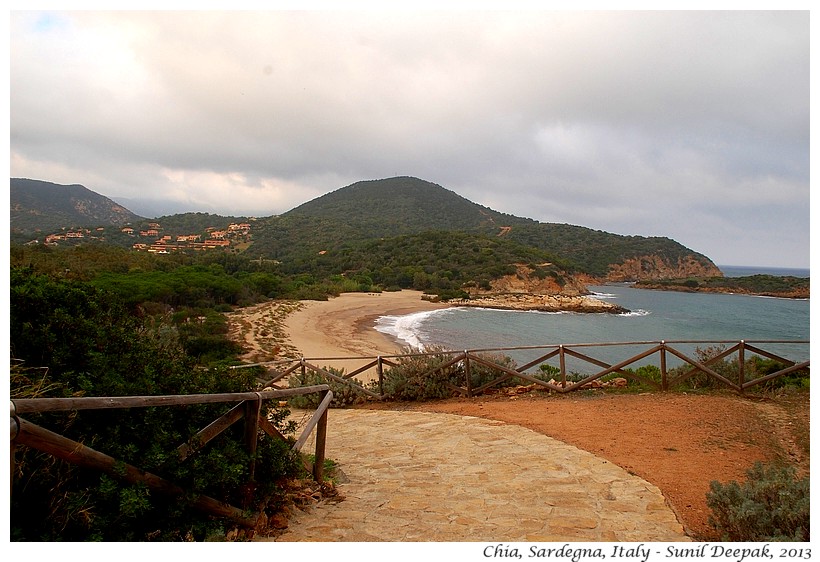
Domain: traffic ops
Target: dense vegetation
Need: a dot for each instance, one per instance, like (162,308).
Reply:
(592,251)
(39,206)
(770,285)
(403,205)
(390,210)
(438,262)
(69,338)
(318,238)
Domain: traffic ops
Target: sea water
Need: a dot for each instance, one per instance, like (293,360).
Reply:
(654,316)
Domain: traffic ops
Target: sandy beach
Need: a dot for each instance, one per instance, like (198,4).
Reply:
(343,326)
(326,333)
(337,331)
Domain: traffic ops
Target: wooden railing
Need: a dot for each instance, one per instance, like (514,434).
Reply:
(249,408)
(563,382)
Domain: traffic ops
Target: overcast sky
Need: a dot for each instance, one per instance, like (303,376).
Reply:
(691,125)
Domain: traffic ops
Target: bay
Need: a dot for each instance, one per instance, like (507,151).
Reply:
(655,316)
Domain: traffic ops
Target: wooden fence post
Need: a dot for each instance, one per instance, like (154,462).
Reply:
(468,372)
(664,381)
(380,371)
(15,430)
(321,438)
(741,364)
(563,363)
(252,410)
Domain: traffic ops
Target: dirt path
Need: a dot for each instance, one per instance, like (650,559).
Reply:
(679,442)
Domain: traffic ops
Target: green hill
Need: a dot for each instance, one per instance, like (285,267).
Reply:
(403,205)
(386,209)
(384,230)
(44,207)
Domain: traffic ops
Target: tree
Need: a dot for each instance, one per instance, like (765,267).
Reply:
(75,340)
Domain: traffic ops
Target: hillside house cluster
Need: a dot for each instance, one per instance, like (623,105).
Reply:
(54,239)
(155,241)
(73,235)
(164,244)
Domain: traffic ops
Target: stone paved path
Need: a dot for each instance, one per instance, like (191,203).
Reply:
(413,476)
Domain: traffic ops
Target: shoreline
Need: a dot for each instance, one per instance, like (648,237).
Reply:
(330,332)
(336,332)
(340,332)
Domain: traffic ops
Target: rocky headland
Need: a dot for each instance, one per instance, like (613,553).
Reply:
(541,303)
(760,285)
(525,291)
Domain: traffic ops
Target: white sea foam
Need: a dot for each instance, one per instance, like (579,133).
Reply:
(406,328)
(604,295)
(638,312)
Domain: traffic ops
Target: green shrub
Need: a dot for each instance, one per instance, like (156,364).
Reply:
(70,339)
(548,371)
(651,373)
(481,374)
(344,394)
(757,367)
(754,367)
(417,376)
(772,505)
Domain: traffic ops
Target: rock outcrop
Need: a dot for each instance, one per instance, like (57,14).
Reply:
(652,267)
(555,292)
(542,303)
(525,281)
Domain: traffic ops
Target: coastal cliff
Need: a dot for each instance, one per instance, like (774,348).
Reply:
(653,267)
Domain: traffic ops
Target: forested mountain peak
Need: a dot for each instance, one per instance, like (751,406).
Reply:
(403,205)
(44,206)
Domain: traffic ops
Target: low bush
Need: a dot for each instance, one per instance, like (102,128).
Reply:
(771,505)
(754,367)
(481,374)
(420,376)
(344,394)
(424,376)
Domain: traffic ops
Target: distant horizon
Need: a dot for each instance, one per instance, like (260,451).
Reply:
(762,267)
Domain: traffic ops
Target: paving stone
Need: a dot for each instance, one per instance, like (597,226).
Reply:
(415,476)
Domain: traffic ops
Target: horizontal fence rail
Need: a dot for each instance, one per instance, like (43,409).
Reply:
(248,407)
(597,360)
(661,354)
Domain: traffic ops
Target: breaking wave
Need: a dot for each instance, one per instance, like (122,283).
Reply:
(406,328)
